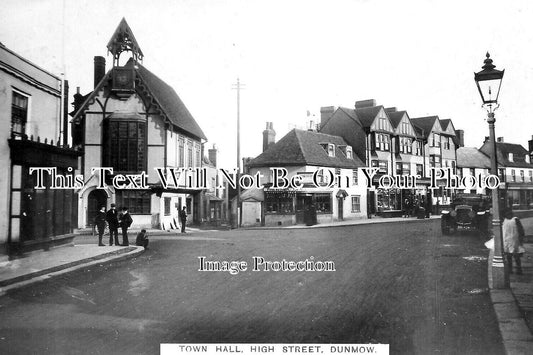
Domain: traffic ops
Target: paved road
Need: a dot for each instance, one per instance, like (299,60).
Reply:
(402,284)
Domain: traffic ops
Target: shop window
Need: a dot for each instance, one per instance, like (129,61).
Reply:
(383,167)
(279,203)
(137,201)
(356,204)
(398,168)
(420,170)
(406,169)
(323,203)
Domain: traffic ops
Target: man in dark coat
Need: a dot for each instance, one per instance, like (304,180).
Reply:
(99,222)
(142,239)
(125,222)
(183,218)
(112,221)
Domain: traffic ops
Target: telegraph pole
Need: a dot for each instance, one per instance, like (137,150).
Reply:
(238,86)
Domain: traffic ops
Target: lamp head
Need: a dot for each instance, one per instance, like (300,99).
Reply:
(489,81)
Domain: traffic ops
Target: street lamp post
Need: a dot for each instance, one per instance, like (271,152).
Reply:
(488,82)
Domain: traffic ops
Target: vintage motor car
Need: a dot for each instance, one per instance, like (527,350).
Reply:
(467,212)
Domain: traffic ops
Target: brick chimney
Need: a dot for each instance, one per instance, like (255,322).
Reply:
(212,154)
(460,136)
(325,113)
(530,145)
(365,103)
(391,109)
(99,69)
(269,136)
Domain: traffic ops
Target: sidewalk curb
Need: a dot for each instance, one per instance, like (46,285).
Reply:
(515,333)
(45,274)
(335,225)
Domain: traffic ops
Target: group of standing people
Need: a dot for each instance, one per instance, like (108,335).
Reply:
(114,220)
(123,220)
(412,208)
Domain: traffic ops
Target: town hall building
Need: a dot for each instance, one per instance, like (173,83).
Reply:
(134,122)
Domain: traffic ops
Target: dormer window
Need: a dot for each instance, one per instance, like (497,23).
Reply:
(349,153)
(331,150)
(511,157)
(347,150)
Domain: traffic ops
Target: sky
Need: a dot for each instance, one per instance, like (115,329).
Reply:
(295,56)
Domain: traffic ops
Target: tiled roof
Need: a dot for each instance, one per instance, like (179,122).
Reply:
(503,150)
(299,147)
(396,117)
(424,124)
(468,157)
(367,115)
(170,102)
(164,95)
(444,123)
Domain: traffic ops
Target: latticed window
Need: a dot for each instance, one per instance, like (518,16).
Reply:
(126,146)
(19,114)
(356,203)
(279,202)
(137,201)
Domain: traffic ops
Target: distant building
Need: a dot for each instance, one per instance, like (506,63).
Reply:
(307,154)
(133,122)
(397,145)
(515,171)
(33,135)
(472,162)
(440,148)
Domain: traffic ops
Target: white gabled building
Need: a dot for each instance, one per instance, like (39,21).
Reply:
(308,154)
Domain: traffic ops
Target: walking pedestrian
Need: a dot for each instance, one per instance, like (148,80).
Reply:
(406,208)
(142,239)
(183,218)
(125,222)
(112,222)
(429,205)
(513,240)
(99,222)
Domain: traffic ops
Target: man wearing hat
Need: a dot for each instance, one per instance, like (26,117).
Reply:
(112,221)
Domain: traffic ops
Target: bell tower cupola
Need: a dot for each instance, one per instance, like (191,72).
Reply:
(123,40)
(123,77)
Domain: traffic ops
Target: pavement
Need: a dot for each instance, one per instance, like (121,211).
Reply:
(513,307)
